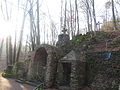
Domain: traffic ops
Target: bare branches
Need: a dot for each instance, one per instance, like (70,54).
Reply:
(21,35)
(87,9)
(6,10)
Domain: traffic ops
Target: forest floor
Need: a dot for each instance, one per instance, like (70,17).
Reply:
(11,84)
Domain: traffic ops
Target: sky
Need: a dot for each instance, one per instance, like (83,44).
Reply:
(52,6)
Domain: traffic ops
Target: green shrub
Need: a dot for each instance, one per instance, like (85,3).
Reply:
(9,69)
(8,75)
(19,65)
(9,72)
(12,71)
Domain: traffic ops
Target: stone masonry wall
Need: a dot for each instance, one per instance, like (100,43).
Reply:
(78,75)
(43,66)
(103,70)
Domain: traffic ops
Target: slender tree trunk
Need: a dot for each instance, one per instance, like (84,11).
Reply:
(38,25)
(90,14)
(68,25)
(21,35)
(106,17)
(88,24)
(61,18)
(75,20)
(14,52)
(114,18)
(65,14)
(1,47)
(76,6)
(94,16)
(71,19)
(31,31)
(7,52)
(44,32)
(6,9)
(10,51)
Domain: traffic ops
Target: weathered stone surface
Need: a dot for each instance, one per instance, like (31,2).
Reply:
(63,39)
(78,70)
(43,64)
(74,56)
(28,65)
(64,43)
(78,75)
(103,72)
(99,70)
(102,82)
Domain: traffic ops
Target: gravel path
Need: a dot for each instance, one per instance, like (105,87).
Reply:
(11,84)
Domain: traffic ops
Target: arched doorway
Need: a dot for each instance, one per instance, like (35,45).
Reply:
(41,56)
(39,64)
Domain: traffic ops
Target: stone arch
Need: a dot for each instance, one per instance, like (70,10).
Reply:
(44,63)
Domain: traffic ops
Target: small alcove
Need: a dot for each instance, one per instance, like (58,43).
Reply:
(41,56)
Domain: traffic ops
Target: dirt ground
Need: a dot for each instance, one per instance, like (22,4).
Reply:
(11,84)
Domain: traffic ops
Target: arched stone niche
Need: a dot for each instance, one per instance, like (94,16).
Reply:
(39,64)
(44,63)
(41,56)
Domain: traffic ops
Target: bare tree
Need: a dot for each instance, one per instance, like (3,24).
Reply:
(38,29)
(113,13)
(107,6)
(94,15)
(21,34)
(77,14)
(88,14)
(61,18)
(1,47)
(6,10)
(71,19)
(87,9)
(65,14)
(9,52)
(14,49)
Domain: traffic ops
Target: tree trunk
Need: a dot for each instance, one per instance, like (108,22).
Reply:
(88,24)
(7,51)
(14,52)
(65,14)
(38,28)
(113,13)
(94,16)
(21,35)
(1,47)
(76,6)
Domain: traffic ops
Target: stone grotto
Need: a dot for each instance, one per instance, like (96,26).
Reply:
(75,69)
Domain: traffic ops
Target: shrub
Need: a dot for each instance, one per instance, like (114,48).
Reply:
(9,72)
(19,65)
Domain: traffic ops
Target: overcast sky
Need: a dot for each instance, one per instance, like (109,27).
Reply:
(8,27)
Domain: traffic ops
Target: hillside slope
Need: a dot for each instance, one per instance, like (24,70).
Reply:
(97,41)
